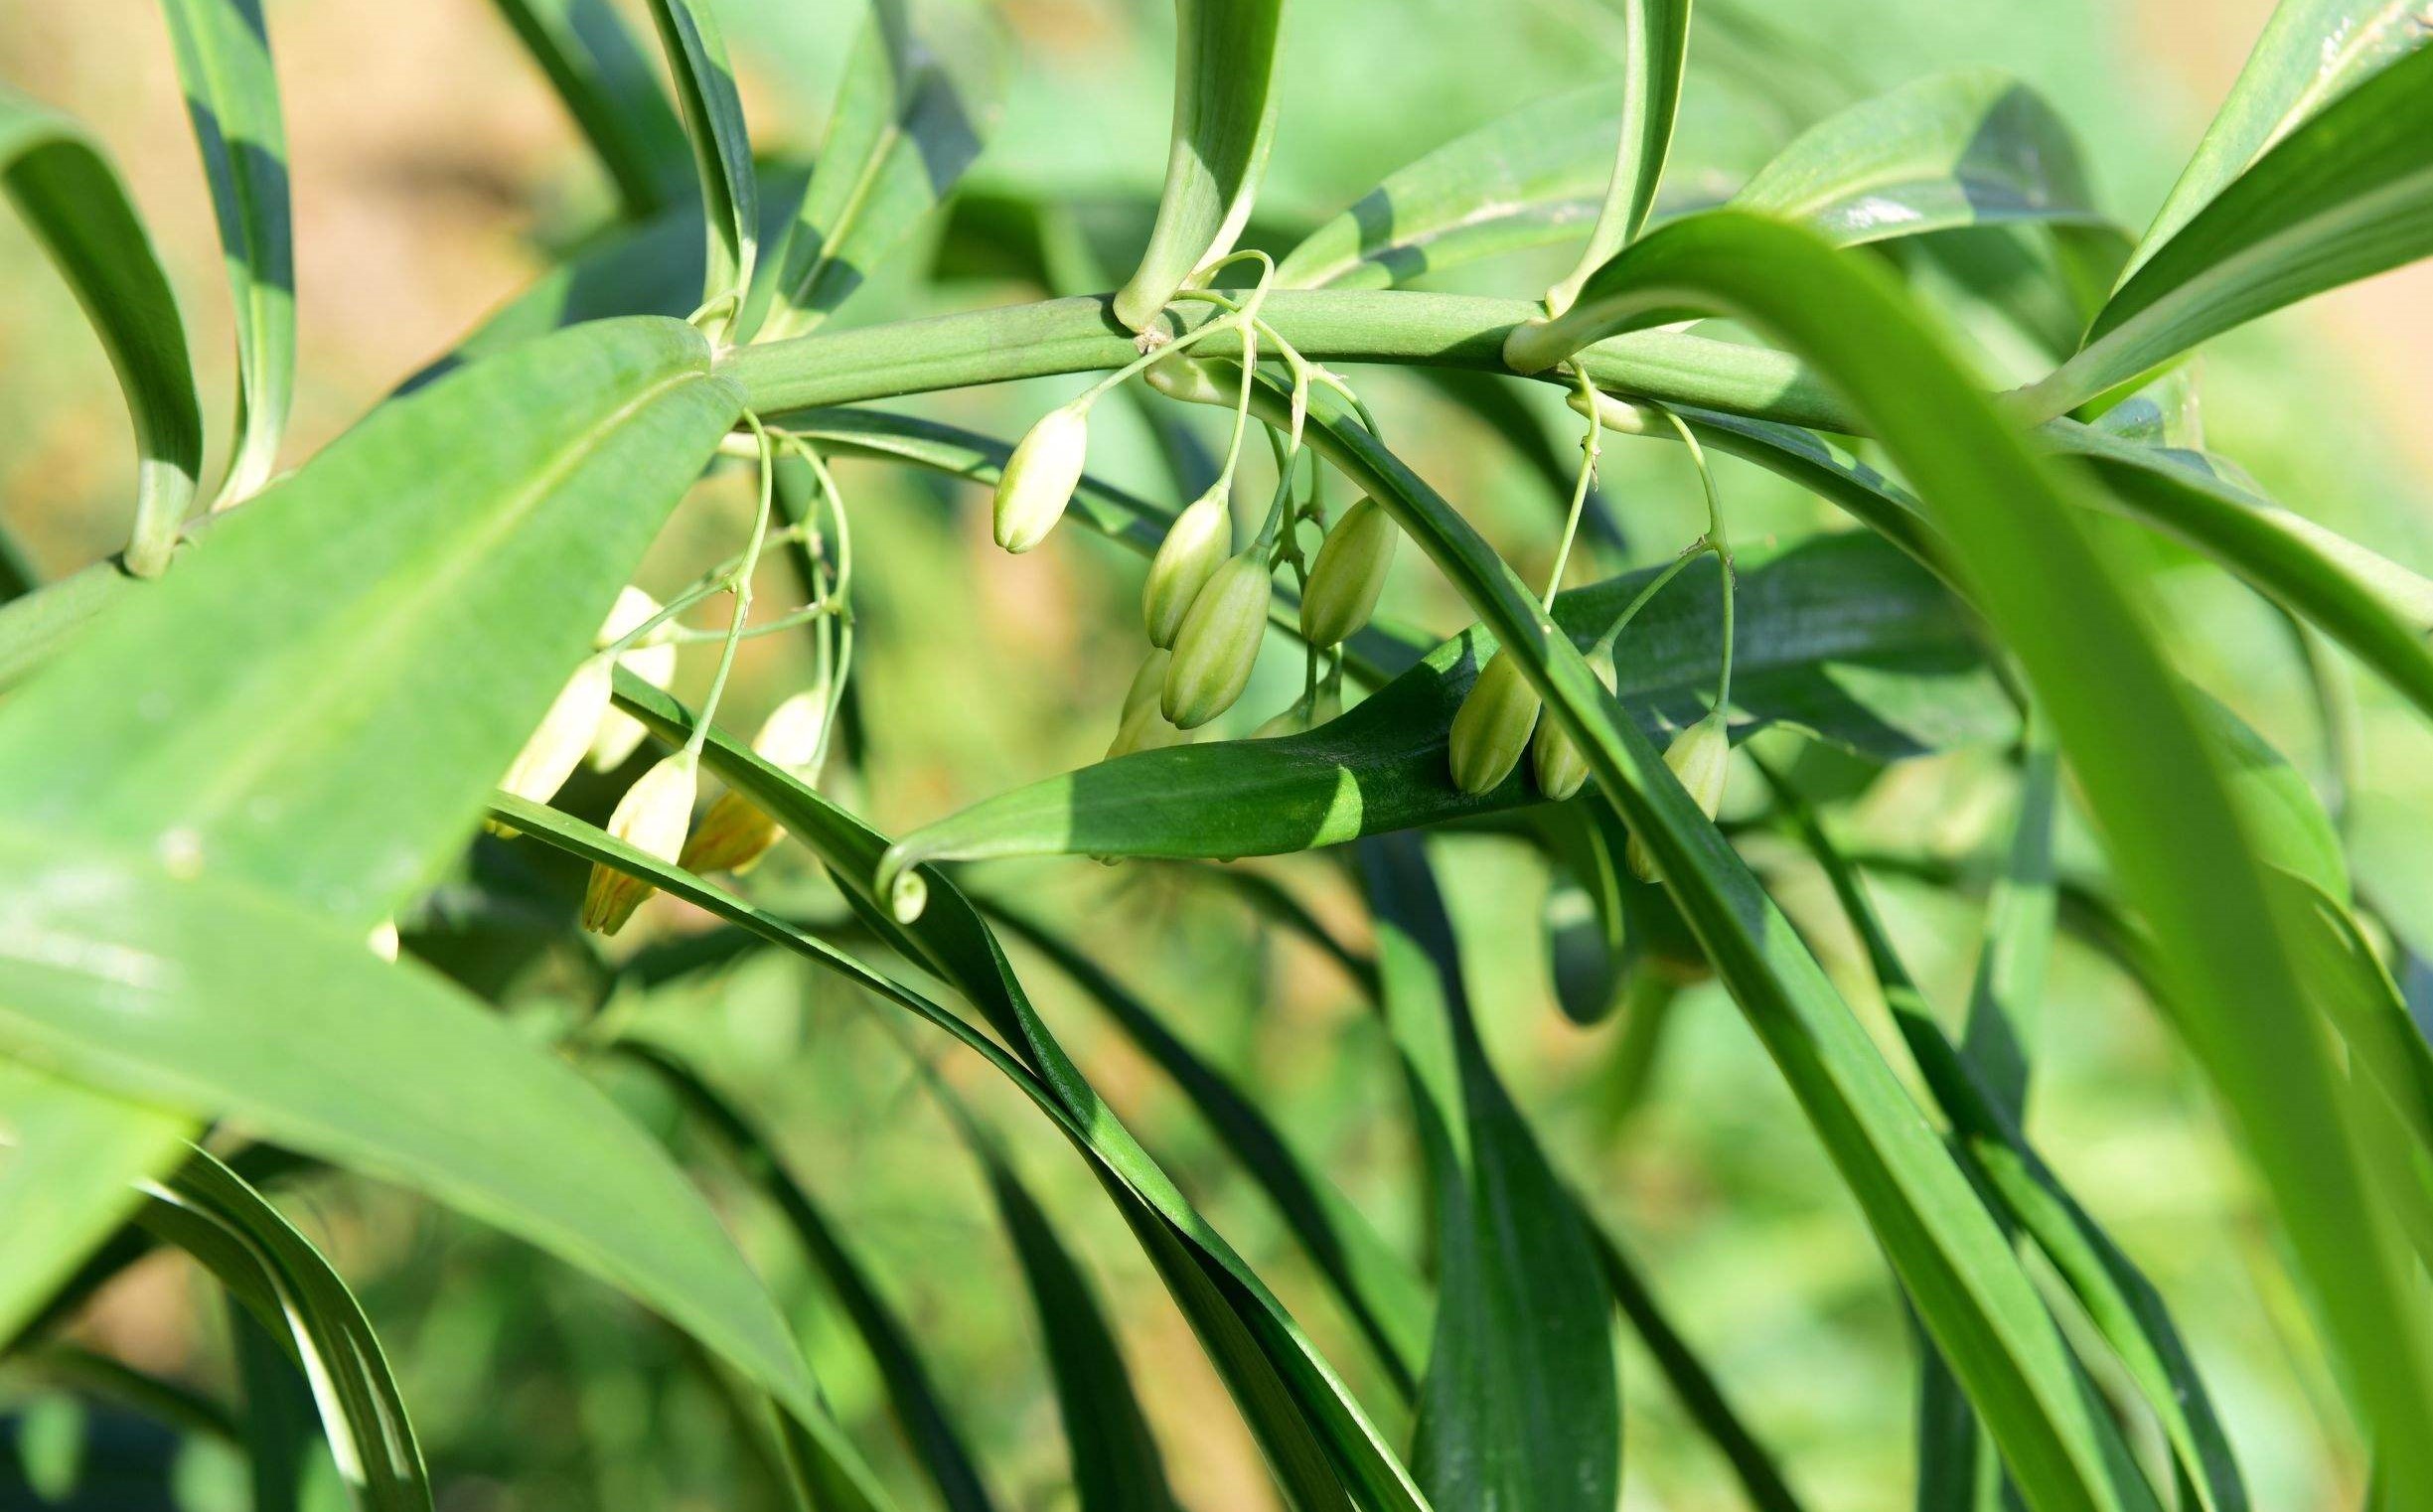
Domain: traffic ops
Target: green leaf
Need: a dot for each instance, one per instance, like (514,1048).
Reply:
(1116,1466)
(926,1423)
(922,90)
(1385,1298)
(722,151)
(68,1180)
(607,84)
(2347,195)
(63,187)
(2150,774)
(1521,181)
(2310,53)
(215,999)
(1969,147)
(294,1293)
(294,707)
(233,98)
(1520,1405)
(1841,636)
(1656,49)
(1224,100)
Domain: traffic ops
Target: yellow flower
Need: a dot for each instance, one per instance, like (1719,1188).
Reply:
(556,748)
(652,816)
(653,660)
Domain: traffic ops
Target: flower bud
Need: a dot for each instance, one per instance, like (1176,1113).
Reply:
(1701,757)
(1491,728)
(1561,769)
(653,660)
(1040,476)
(1304,715)
(1144,728)
(383,940)
(1349,575)
(1185,379)
(652,816)
(735,834)
(1149,684)
(557,747)
(1198,544)
(1219,642)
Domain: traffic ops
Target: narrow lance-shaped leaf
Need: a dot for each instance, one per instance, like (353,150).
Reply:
(606,83)
(1520,181)
(2310,53)
(2151,777)
(1225,100)
(922,90)
(67,194)
(214,999)
(233,98)
(1520,1407)
(2347,195)
(1971,147)
(70,1158)
(1656,49)
(713,113)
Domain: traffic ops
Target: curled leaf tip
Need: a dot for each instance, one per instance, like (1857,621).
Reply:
(902,886)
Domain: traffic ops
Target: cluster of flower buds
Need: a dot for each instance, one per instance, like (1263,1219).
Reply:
(735,834)
(653,818)
(1041,475)
(1701,757)
(580,723)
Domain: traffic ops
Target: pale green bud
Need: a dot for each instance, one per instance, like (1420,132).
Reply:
(565,732)
(383,940)
(1304,714)
(1144,729)
(1040,476)
(1701,757)
(1219,642)
(1562,771)
(1185,378)
(735,834)
(1349,575)
(1196,544)
(790,736)
(653,818)
(1491,728)
(652,659)
(1149,684)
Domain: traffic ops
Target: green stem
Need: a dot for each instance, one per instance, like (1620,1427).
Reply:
(1721,544)
(1613,632)
(1591,448)
(742,580)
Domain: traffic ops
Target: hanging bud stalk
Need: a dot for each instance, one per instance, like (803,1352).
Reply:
(1561,770)
(1224,119)
(1491,728)
(735,834)
(1219,641)
(652,816)
(1701,757)
(565,732)
(652,659)
(1040,476)
(1195,546)
(1349,575)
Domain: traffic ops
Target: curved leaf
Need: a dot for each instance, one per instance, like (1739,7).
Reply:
(1656,49)
(1224,100)
(2150,775)
(63,187)
(2310,53)
(1841,635)
(1520,1405)
(722,151)
(1969,147)
(67,1181)
(294,706)
(922,90)
(606,83)
(215,999)
(233,98)
(2346,195)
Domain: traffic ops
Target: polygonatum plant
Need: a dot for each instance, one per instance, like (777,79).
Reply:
(377,694)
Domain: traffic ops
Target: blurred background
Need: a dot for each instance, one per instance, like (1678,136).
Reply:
(434,174)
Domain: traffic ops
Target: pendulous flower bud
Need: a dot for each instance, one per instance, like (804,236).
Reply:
(1306,714)
(652,816)
(1701,757)
(1195,546)
(557,747)
(1040,476)
(1562,771)
(735,834)
(1491,728)
(1219,642)
(652,659)
(1348,575)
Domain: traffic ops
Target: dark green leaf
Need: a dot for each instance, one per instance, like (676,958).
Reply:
(722,151)
(1655,48)
(606,83)
(74,1156)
